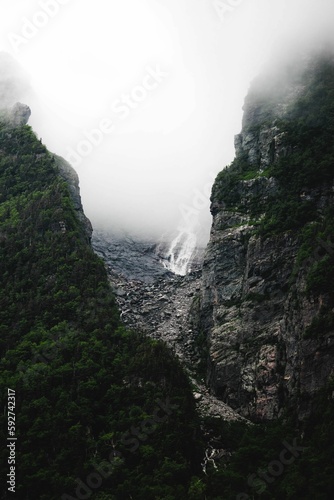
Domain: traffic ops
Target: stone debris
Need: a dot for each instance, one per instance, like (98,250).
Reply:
(158,303)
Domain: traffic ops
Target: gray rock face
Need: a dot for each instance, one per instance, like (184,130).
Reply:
(259,360)
(134,259)
(19,114)
(262,147)
(158,303)
(71,177)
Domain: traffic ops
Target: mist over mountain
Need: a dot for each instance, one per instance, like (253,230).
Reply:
(14,82)
(168,143)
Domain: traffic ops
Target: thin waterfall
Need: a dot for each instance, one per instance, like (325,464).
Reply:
(180,253)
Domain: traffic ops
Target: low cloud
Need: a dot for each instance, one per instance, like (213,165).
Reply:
(14,81)
(179,135)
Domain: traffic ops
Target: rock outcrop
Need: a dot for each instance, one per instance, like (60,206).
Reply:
(254,307)
(19,114)
(71,177)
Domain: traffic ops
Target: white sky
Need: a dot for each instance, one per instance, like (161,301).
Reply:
(84,55)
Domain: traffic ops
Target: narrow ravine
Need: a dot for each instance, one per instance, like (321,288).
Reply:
(157,302)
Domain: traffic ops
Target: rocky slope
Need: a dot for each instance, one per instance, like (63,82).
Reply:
(264,323)
(159,303)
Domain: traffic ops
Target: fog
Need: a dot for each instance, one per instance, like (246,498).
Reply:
(144,97)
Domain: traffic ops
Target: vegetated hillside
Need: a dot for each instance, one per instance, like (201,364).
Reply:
(87,391)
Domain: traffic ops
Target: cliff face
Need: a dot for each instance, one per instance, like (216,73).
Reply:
(18,115)
(68,173)
(266,302)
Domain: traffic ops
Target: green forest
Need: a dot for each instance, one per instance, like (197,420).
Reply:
(82,381)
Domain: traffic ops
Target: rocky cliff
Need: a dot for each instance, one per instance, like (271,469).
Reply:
(17,115)
(68,173)
(266,301)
